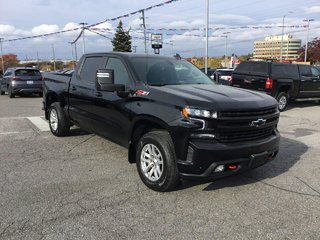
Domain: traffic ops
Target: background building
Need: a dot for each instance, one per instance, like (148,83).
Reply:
(270,48)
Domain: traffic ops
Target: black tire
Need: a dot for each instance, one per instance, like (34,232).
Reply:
(283,100)
(1,91)
(166,177)
(58,121)
(10,93)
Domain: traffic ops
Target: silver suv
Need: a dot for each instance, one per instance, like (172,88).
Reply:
(17,81)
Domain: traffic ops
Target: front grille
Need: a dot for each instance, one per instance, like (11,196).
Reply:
(249,113)
(247,135)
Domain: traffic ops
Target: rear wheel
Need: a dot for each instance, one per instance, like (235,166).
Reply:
(58,121)
(156,161)
(10,93)
(1,91)
(283,100)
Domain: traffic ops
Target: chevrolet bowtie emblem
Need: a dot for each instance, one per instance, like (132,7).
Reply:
(258,123)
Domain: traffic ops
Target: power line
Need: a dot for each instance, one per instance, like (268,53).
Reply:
(95,24)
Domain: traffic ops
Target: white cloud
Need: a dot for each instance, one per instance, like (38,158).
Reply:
(6,29)
(225,18)
(314,9)
(44,29)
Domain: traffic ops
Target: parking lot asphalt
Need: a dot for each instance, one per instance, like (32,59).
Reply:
(82,187)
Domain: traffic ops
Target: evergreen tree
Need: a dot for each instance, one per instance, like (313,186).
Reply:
(122,40)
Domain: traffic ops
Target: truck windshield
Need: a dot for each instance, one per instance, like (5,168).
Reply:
(166,71)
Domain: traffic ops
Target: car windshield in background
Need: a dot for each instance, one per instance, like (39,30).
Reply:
(27,72)
(161,71)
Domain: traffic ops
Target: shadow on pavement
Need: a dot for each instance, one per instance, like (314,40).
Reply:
(302,104)
(289,154)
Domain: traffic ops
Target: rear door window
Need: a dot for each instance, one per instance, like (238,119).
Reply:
(89,68)
(253,68)
(285,71)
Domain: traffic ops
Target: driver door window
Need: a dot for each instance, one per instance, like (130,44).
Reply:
(120,72)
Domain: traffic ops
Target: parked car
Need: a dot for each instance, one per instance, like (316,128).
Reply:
(283,81)
(223,76)
(175,121)
(210,72)
(17,81)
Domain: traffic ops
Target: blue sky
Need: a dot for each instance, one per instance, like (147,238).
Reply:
(246,21)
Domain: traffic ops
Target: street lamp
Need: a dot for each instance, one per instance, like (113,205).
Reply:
(281,44)
(225,53)
(306,50)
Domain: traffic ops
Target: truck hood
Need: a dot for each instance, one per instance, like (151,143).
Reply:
(214,97)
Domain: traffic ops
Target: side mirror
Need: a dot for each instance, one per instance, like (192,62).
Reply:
(104,78)
(105,81)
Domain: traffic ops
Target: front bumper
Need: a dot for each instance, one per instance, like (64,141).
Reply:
(205,156)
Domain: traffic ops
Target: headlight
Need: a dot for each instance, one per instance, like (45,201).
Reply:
(13,83)
(198,113)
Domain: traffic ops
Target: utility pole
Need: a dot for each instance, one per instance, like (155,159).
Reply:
(2,64)
(72,60)
(226,50)
(83,38)
(207,41)
(38,59)
(144,30)
(306,50)
(54,58)
(75,51)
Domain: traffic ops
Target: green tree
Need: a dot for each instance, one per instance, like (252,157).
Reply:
(122,40)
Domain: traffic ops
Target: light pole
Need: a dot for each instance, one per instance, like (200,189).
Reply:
(2,64)
(225,53)
(207,43)
(281,43)
(83,43)
(306,50)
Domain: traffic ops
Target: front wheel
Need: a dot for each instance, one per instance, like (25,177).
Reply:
(283,100)
(1,91)
(58,121)
(156,161)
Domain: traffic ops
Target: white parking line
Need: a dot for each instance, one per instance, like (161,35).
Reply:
(10,133)
(41,124)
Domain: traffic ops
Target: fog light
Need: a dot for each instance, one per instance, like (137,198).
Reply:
(219,168)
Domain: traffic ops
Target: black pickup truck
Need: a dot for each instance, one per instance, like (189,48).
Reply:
(175,122)
(283,81)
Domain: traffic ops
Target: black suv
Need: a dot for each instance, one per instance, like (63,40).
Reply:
(283,81)
(21,80)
